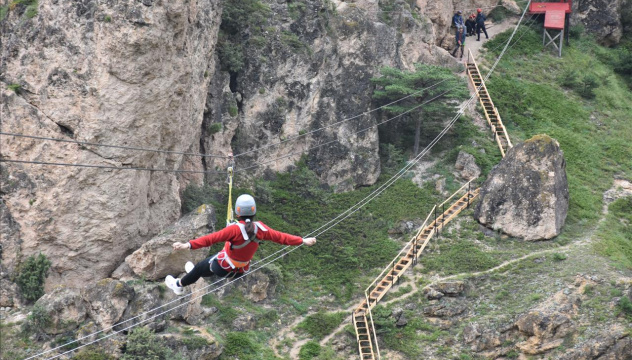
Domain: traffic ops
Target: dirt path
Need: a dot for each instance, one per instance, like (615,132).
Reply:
(493,29)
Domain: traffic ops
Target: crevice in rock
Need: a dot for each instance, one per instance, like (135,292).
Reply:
(233,82)
(66,130)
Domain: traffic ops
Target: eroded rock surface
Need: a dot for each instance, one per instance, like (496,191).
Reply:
(156,258)
(111,72)
(526,194)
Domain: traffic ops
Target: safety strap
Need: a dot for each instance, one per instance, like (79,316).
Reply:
(229,211)
(244,233)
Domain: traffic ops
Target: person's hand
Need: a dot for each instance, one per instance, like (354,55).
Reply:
(309,241)
(181,246)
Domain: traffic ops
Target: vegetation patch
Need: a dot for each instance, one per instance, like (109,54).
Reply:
(461,257)
(321,324)
(31,276)
(615,233)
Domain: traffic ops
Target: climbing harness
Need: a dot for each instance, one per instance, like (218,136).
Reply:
(247,238)
(229,211)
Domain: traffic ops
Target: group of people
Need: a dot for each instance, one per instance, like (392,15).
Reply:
(468,28)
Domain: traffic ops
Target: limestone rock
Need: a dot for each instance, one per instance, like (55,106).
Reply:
(107,301)
(466,164)
(611,344)
(8,293)
(196,347)
(602,18)
(65,308)
(109,72)
(146,297)
(444,310)
(258,286)
(471,332)
(526,194)
(450,288)
(432,294)
(244,322)
(156,258)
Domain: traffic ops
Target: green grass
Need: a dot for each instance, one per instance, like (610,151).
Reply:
(615,233)
(321,324)
(595,135)
(461,257)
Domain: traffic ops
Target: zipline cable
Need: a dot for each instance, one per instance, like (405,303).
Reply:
(197,171)
(85,143)
(370,197)
(254,263)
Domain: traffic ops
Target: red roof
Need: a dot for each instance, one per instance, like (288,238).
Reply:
(554,19)
(544,7)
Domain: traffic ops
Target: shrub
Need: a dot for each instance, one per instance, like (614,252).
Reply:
(15,88)
(320,324)
(576,31)
(310,350)
(559,256)
(626,306)
(587,86)
(37,320)
(31,9)
(31,276)
(232,111)
(195,195)
(239,344)
(143,344)
(262,91)
(92,354)
(107,18)
(214,128)
(569,79)
(231,55)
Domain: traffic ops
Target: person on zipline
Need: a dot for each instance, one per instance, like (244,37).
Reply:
(242,240)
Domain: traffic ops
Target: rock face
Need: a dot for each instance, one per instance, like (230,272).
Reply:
(526,194)
(156,259)
(107,300)
(603,18)
(321,78)
(113,72)
(466,164)
(65,308)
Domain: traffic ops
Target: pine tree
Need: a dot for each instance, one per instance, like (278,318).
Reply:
(434,94)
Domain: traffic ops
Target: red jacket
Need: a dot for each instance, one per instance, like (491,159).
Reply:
(233,234)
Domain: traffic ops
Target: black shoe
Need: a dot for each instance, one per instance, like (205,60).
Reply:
(478,39)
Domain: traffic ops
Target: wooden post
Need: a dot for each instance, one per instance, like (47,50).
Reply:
(468,194)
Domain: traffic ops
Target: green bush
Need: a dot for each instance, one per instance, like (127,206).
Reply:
(231,55)
(92,354)
(587,86)
(626,306)
(321,324)
(142,344)
(576,31)
(195,195)
(569,79)
(37,320)
(240,344)
(15,88)
(214,128)
(559,256)
(309,351)
(232,111)
(31,276)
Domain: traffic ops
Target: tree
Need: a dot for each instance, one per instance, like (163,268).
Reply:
(438,86)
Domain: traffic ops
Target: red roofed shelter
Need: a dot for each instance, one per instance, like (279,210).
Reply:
(556,16)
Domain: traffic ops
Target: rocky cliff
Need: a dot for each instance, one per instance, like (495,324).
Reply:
(114,72)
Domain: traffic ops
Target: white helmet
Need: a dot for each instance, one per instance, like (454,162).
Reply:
(245,205)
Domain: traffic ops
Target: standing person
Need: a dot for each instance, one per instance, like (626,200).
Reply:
(241,242)
(457,20)
(470,25)
(460,42)
(480,24)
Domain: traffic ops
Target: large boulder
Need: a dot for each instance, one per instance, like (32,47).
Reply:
(65,308)
(526,194)
(107,301)
(602,18)
(613,343)
(466,164)
(156,259)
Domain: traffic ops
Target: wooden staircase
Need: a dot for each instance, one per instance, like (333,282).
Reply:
(362,317)
(491,112)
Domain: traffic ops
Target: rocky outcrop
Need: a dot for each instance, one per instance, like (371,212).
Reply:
(312,71)
(156,258)
(449,288)
(612,344)
(65,309)
(122,73)
(602,18)
(194,347)
(466,164)
(107,300)
(526,194)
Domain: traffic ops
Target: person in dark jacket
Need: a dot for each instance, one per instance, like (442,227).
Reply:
(480,24)
(470,25)
(460,41)
(457,20)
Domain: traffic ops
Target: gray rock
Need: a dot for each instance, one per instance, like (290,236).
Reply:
(401,321)
(432,294)
(602,18)
(107,300)
(450,288)
(526,194)
(65,308)
(440,185)
(156,258)
(466,164)
(444,310)
(471,332)
(244,322)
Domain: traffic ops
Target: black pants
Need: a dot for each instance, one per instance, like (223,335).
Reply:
(480,27)
(456,49)
(206,268)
